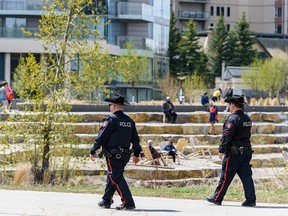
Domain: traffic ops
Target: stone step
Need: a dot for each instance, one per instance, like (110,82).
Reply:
(186,129)
(195,170)
(189,168)
(258,149)
(183,117)
(262,160)
(212,139)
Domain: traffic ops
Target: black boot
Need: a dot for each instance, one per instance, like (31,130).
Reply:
(105,204)
(248,204)
(125,207)
(211,200)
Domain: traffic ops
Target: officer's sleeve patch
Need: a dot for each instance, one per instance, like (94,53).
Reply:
(104,124)
(229,125)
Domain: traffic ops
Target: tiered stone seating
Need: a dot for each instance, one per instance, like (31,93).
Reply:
(269,138)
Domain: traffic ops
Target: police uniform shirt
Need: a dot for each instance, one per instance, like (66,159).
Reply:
(117,130)
(236,129)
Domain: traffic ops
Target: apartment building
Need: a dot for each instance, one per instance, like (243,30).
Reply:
(265,16)
(143,22)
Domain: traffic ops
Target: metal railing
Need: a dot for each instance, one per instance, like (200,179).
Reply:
(16,32)
(135,10)
(21,5)
(195,1)
(186,14)
(138,42)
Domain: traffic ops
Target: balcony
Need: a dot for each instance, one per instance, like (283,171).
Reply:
(195,1)
(15,32)
(21,5)
(195,15)
(135,11)
(138,42)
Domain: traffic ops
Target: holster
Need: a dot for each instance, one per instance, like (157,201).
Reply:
(105,153)
(117,153)
(234,150)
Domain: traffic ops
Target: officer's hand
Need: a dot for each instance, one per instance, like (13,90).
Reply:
(220,155)
(92,157)
(136,160)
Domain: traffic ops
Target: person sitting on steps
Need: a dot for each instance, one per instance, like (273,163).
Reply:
(171,150)
(169,110)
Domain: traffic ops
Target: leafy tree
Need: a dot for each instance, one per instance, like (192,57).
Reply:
(97,69)
(27,80)
(65,30)
(245,40)
(251,76)
(273,75)
(217,48)
(174,38)
(132,68)
(169,86)
(267,75)
(190,53)
(193,87)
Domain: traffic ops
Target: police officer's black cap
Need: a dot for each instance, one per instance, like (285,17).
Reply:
(117,99)
(235,99)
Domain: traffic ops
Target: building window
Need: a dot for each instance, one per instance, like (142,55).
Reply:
(278,29)
(218,11)
(228,11)
(13,27)
(228,27)
(278,12)
(212,11)
(222,11)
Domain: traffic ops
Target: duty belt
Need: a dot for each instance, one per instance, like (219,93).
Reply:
(244,148)
(119,151)
(235,150)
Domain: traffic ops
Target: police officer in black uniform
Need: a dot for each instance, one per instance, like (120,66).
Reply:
(236,148)
(117,132)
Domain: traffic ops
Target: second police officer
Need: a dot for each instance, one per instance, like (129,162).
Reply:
(117,132)
(236,148)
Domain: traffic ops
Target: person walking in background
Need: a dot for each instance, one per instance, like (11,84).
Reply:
(236,148)
(117,132)
(213,117)
(228,93)
(205,99)
(3,96)
(169,110)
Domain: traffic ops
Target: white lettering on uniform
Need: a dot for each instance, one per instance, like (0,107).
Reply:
(247,124)
(125,124)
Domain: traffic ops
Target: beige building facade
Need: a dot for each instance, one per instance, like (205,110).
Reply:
(265,16)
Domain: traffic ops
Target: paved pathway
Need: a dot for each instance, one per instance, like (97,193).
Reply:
(30,203)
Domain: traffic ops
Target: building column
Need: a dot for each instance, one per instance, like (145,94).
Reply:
(285,17)
(7,75)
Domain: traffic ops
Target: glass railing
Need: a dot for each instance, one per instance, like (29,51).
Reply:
(134,10)
(21,5)
(185,14)
(138,42)
(195,1)
(16,32)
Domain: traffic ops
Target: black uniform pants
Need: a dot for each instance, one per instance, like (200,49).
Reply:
(116,180)
(239,164)
(170,115)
